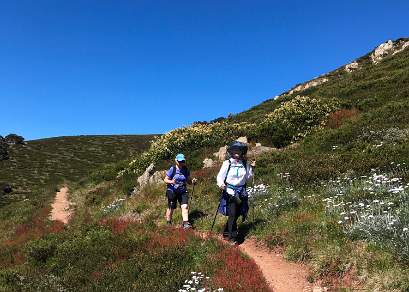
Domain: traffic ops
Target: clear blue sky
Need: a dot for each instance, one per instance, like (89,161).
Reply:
(112,67)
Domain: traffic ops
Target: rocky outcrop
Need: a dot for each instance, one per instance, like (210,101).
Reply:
(309,84)
(388,48)
(221,154)
(150,177)
(351,67)
(252,153)
(242,140)
(157,177)
(143,180)
(404,45)
(258,150)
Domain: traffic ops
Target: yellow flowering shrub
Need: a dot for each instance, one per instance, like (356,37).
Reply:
(291,121)
(295,119)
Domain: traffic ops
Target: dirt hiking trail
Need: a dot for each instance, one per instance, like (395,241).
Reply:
(281,275)
(61,207)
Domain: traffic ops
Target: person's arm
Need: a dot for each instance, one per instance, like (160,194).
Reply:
(191,180)
(222,175)
(250,170)
(167,178)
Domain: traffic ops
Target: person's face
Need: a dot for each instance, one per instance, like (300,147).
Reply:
(181,162)
(236,156)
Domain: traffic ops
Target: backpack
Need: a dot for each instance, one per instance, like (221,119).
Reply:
(228,169)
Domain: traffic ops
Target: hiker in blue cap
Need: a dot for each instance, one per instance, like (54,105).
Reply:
(176,179)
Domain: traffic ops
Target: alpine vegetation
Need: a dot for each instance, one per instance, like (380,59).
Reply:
(289,122)
(374,208)
(198,282)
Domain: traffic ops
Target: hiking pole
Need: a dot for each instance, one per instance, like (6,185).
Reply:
(217,210)
(193,192)
(254,201)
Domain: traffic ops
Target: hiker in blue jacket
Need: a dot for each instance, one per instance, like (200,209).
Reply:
(176,179)
(232,179)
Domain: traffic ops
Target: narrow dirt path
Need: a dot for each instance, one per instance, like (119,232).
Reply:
(281,275)
(61,206)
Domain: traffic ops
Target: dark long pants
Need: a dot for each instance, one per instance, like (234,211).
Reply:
(230,229)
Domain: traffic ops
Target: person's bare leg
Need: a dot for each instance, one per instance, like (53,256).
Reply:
(169,213)
(185,212)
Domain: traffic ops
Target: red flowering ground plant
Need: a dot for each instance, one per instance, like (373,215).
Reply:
(238,273)
(337,118)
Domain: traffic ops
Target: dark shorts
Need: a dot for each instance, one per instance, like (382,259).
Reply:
(175,196)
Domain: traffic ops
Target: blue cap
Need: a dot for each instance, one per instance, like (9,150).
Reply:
(180,157)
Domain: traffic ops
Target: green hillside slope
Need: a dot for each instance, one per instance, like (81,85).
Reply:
(333,195)
(52,160)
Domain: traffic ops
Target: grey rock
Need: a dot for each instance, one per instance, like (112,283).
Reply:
(254,152)
(221,154)
(208,162)
(309,84)
(352,67)
(157,177)
(143,180)
(242,140)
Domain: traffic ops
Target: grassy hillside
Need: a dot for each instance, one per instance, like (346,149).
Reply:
(36,169)
(45,161)
(336,200)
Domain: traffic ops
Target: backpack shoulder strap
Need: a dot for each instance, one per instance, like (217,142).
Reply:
(173,171)
(227,172)
(245,164)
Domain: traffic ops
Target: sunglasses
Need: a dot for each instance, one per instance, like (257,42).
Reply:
(181,161)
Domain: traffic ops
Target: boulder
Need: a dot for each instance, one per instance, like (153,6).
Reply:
(208,162)
(221,154)
(149,177)
(242,140)
(258,149)
(157,177)
(143,180)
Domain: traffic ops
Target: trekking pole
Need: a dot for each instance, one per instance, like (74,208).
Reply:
(215,215)
(193,192)
(254,201)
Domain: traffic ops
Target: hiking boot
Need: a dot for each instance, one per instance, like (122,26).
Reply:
(186,225)
(168,223)
(232,241)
